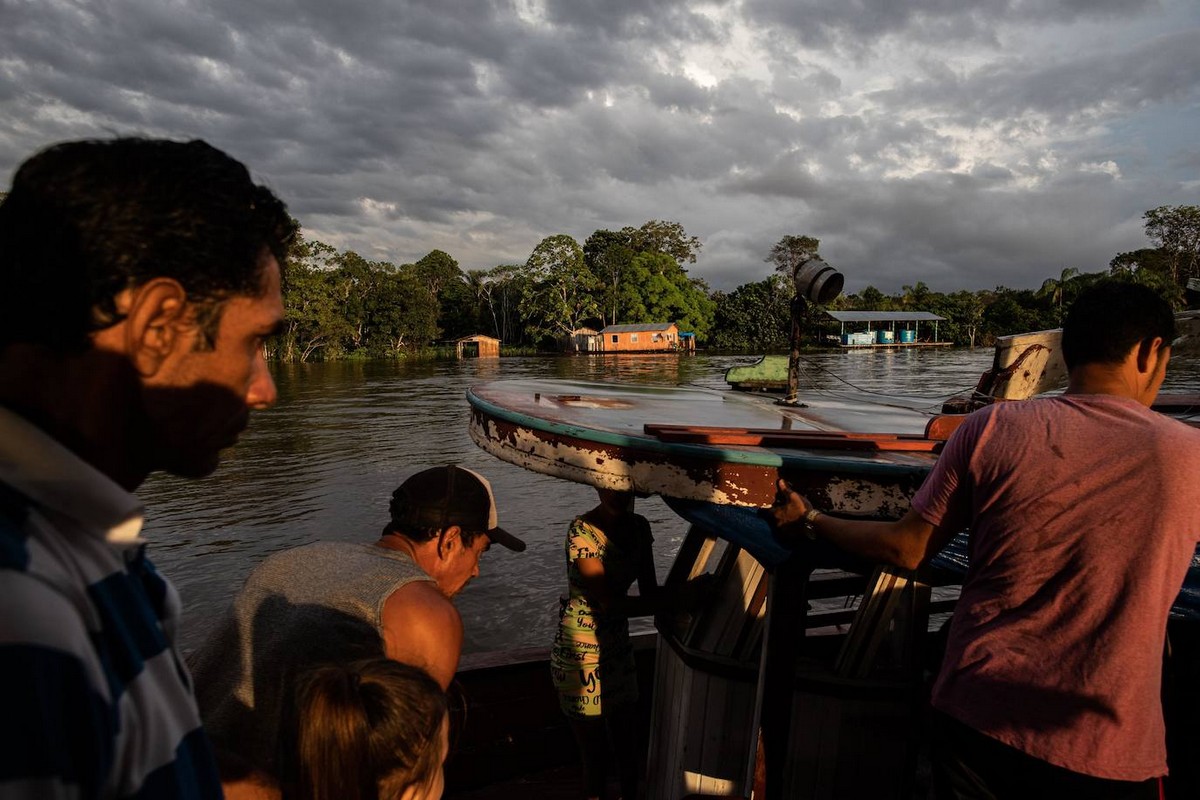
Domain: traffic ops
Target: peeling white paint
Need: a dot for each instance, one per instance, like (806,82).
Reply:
(596,466)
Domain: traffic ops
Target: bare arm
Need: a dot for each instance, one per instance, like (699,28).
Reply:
(907,542)
(594,585)
(423,628)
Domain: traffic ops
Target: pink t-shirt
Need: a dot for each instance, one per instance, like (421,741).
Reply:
(1084,513)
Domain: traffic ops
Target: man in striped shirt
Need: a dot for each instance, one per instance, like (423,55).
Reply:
(140,279)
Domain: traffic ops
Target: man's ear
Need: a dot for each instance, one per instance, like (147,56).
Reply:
(156,323)
(1149,351)
(448,540)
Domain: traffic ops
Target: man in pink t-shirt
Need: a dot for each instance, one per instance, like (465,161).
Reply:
(1084,517)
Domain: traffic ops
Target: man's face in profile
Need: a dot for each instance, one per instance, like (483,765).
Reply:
(201,400)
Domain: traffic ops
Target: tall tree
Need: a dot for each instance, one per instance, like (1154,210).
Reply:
(435,269)
(659,290)
(561,293)
(663,236)
(1176,230)
(403,316)
(505,285)
(608,255)
(1147,259)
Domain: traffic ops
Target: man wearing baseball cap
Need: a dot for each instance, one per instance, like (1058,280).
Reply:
(341,601)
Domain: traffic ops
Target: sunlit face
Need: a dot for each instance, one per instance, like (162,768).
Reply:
(200,399)
(461,564)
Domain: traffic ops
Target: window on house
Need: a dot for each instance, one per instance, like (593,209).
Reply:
(615,338)
(633,337)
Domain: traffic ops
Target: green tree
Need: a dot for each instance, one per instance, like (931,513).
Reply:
(1056,290)
(1016,311)
(1176,231)
(561,293)
(608,254)
(502,288)
(403,316)
(659,290)
(754,316)
(663,236)
(791,253)
(1152,259)
(965,310)
(871,299)
(313,320)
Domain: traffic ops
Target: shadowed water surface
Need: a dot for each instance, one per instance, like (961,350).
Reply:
(323,462)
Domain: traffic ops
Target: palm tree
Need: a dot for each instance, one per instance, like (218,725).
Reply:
(1055,289)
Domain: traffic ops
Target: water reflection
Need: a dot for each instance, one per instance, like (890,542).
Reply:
(323,462)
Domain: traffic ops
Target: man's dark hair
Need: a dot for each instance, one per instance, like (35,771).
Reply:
(86,220)
(1108,318)
(419,535)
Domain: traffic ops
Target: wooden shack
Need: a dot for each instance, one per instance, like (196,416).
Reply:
(646,337)
(582,340)
(477,346)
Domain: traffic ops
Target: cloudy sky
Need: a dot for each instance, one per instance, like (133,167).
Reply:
(962,144)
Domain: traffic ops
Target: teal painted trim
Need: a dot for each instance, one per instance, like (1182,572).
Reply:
(760,458)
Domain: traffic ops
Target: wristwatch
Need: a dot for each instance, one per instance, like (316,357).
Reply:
(810,519)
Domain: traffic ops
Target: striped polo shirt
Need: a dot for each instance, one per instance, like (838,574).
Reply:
(95,698)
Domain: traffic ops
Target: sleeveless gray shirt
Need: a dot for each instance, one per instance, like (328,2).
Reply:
(310,605)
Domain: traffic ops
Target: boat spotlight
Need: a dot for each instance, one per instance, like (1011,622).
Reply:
(818,282)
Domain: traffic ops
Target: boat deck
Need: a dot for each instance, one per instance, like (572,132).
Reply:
(556,783)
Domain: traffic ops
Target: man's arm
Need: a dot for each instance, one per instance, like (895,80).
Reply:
(423,628)
(907,542)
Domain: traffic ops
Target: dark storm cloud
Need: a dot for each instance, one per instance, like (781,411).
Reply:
(956,231)
(856,24)
(480,126)
(1161,70)
(656,19)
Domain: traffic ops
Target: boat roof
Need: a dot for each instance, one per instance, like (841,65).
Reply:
(639,328)
(884,316)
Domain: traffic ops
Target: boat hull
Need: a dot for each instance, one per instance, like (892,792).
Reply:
(597,437)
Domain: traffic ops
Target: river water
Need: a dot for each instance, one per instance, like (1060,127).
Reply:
(323,462)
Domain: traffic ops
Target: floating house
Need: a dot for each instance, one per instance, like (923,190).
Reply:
(582,340)
(641,338)
(477,346)
(887,328)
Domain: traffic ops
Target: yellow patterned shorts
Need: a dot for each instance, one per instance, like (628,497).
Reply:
(592,662)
